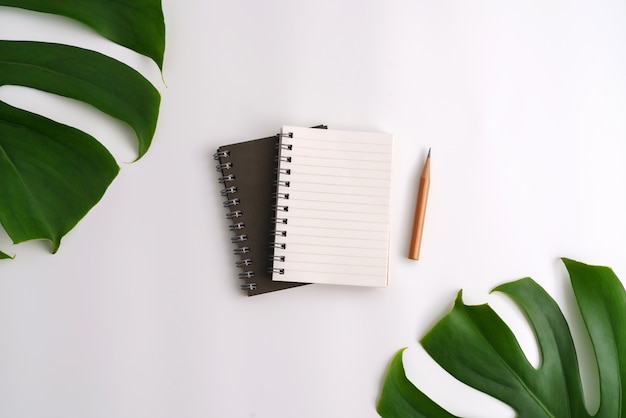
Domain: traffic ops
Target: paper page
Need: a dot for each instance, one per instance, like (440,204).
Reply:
(334,195)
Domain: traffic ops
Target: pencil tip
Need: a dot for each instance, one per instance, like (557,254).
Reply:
(428,156)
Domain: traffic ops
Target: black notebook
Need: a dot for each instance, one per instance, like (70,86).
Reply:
(248,172)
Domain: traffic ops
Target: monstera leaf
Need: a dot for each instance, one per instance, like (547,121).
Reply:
(53,174)
(135,24)
(475,346)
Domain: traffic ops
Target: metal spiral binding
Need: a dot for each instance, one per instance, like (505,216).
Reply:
(239,238)
(221,154)
(224,179)
(243,263)
(231,202)
(234,214)
(228,190)
(225,166)
(237,227)
(282,200)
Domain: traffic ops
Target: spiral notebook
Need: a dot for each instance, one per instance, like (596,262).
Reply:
(332,207)
(248,173)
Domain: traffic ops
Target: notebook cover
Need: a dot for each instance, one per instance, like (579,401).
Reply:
(253,163)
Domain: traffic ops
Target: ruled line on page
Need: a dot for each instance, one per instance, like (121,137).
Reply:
(336,206)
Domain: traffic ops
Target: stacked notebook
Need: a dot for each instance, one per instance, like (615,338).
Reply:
(309,205)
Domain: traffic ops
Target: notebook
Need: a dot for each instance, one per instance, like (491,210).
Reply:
(332,207)
(248,172)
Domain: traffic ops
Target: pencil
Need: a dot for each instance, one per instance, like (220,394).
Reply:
(420,210)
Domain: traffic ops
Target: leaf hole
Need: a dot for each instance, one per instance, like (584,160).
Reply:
(27,25)
(516,320)
(438,384)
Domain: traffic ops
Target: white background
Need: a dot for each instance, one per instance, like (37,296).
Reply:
(139,313)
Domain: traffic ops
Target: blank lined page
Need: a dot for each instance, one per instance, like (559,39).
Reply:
(333,207)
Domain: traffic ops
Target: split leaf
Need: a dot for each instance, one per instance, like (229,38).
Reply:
(135,24)
(475,346)
(53,174)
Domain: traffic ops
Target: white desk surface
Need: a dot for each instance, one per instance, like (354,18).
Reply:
(139,314)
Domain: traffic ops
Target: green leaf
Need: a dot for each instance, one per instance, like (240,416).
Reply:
(602,301)
(88,76)
(4,256)
(475,346)
(401,399)
(135,24)
(52,175)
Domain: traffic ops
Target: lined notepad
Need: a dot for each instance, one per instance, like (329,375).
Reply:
(333,207)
